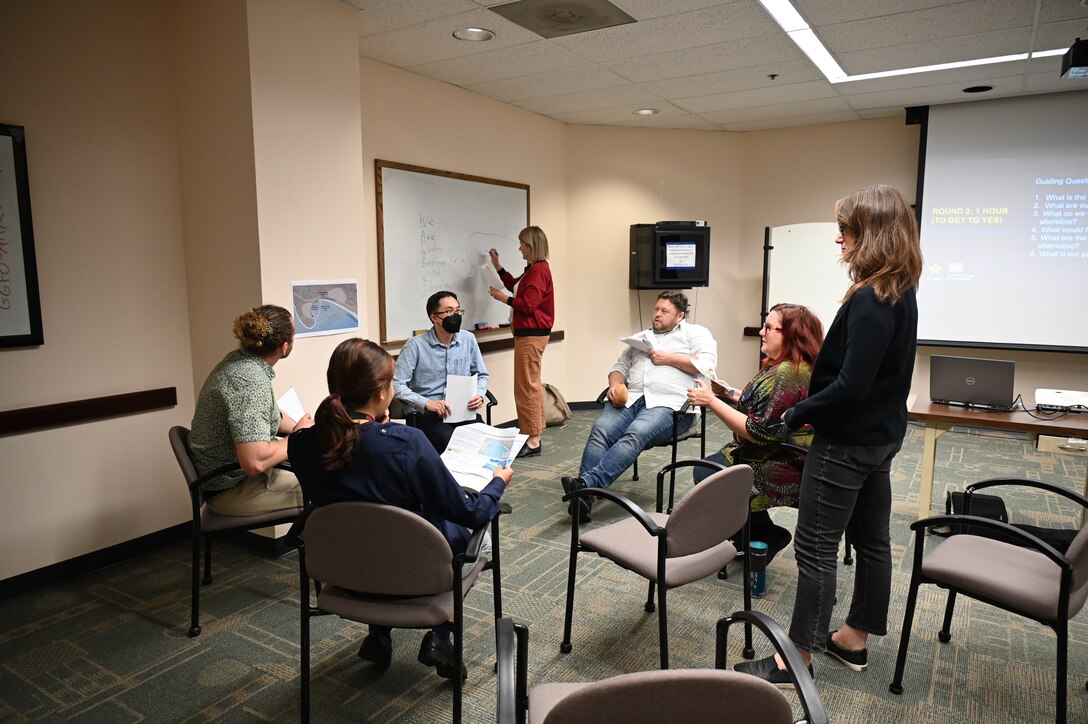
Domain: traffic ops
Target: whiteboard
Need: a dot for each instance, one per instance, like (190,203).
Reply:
(434,231)
(803,267)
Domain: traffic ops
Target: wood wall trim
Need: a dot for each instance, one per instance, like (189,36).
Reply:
(27,419)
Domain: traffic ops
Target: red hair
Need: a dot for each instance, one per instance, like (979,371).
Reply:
(802,335)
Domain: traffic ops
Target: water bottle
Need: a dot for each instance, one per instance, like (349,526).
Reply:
(758,552)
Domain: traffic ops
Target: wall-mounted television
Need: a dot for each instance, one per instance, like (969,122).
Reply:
(670,255)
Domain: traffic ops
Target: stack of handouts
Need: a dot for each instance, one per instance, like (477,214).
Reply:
(476,450)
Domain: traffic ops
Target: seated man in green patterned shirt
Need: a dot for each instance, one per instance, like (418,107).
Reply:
(237,420)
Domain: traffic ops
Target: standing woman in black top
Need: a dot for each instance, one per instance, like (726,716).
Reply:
(857,407)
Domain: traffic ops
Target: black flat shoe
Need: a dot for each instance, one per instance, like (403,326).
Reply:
(585,505)
(377,649)
(434,651)
(529,452)
(767,669)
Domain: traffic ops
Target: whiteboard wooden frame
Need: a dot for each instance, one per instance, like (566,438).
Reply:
(388,334)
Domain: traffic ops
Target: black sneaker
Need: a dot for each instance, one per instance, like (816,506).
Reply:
(856,660)
(377,648)
(585,505)
(435,651)
(767,669)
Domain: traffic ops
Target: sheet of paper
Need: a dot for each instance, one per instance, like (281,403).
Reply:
(492,277)
(641,341)
(705,370)
(476,450)
(459,390)
(291,405)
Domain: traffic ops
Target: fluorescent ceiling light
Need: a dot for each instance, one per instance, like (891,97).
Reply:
(802,35)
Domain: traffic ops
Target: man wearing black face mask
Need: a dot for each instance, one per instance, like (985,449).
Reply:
(419,380)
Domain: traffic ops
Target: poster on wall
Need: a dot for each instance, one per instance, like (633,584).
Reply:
(325,307)
(20,306)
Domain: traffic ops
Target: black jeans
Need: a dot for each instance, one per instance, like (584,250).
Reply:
(843,485)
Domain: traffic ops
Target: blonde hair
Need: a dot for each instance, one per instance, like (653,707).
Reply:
(886,255)
(534,236)
(262,330)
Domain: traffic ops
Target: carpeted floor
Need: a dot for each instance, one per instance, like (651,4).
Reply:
(111,646)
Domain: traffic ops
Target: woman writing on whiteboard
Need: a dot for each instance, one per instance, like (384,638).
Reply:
(533,303)
(857,407)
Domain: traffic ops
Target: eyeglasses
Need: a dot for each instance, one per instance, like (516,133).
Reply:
(767,328)
(448,312)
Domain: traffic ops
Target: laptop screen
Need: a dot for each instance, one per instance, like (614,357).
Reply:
(972,382)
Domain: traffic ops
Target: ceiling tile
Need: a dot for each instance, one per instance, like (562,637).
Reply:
(378,16)
(433,40)
(758,97)
(501,63)
(625,95)
(742,114)
(933,52)
(743,53)
(554,83)
(795,71)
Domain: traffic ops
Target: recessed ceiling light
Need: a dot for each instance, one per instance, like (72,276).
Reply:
(978,89)
(645,112)
(474,35)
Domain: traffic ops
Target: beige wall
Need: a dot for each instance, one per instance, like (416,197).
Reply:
(410,119)
(93,87)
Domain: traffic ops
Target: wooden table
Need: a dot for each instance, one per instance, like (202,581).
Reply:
(939,418)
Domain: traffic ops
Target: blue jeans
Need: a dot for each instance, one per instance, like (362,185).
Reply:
(620,434)
(843,486)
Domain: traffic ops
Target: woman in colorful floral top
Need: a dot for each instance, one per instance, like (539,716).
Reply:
(791,340)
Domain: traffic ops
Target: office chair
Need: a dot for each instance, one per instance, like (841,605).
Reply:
(206,522)
(669,550)
(1029,578)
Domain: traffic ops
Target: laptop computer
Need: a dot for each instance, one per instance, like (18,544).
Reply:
(972,382)
(1061,401)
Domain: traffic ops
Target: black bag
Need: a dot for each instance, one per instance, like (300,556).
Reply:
(993,507)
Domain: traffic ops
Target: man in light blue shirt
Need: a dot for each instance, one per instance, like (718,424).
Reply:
(419,380)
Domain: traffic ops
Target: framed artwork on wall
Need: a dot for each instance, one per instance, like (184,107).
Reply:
(20,305)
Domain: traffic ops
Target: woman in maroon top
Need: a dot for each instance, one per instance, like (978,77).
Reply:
(533,303)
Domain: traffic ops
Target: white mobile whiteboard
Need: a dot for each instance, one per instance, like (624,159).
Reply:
(434,231)
(803,267)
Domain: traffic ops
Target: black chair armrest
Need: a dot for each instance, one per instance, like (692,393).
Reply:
(294,533)
(603,397)
(472,550)
(716,467)
(633,510)
(1022,482)
(806,687)
(228,468)
(1011,531)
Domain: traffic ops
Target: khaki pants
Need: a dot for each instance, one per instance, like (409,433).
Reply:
(275,490)
(528,390)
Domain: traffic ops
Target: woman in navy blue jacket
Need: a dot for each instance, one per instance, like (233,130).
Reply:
(857,408)
(353,453)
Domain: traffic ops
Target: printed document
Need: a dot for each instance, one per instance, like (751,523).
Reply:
(476,450)
(459,390)
(291,405)
(642,341)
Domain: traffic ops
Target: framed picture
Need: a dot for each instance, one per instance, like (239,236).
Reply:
(20,305)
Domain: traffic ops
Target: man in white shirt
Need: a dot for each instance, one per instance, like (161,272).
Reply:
(655,384)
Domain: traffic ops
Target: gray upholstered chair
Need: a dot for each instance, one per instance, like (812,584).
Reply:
(670,550)
(1031,579)
(689,695)
(382,565)
(205,522)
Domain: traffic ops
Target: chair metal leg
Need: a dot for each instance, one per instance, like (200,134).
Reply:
(635,476)
(650,599)
(496,573)
(1062,630)
(304,647)
(458,647)
(896,687)
(847,556)
(662,626)
(194,615)
(565,647)
(945,634)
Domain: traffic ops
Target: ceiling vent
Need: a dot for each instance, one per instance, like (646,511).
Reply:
(556,18)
